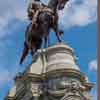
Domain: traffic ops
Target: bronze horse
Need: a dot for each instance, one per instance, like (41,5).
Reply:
(34,36)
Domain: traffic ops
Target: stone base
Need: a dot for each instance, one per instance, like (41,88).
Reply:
(53,75)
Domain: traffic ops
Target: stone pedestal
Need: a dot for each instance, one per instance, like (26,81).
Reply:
(53,75)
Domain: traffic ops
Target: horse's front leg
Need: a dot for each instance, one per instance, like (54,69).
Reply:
(55,28)
(48,41)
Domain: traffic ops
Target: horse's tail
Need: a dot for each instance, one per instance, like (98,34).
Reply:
(24,53)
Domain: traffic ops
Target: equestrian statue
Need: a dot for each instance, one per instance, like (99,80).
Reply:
(43,18)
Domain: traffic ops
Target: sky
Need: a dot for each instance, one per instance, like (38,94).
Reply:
(79,22)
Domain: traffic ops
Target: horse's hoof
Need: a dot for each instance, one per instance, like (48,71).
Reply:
(59,41)
(61,32)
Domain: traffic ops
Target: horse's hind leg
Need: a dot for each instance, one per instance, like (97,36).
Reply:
(24,54)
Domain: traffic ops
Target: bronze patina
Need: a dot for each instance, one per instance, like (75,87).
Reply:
(43,18)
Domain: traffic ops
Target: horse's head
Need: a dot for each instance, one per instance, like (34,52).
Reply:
(61,4)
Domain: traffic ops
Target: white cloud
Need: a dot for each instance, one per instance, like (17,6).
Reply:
(93,65)
(11,10)
(78,13)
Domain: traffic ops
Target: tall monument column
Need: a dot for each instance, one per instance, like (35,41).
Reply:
(53,75)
